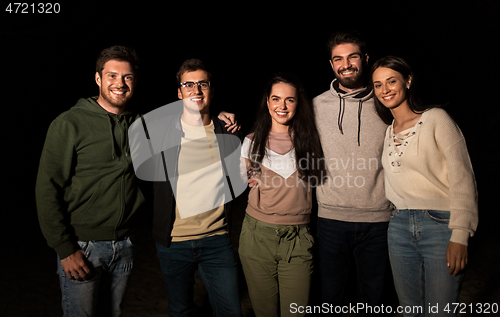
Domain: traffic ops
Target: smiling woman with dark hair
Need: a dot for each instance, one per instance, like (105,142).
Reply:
(430,181)
(414,102)
(284,156)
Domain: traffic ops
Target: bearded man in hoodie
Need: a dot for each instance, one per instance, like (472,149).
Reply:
(86,191)
(353,212)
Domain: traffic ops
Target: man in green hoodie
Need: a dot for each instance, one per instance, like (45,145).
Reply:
(86,191)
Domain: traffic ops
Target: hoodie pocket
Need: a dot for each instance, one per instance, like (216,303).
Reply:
(97,193)
(103,205)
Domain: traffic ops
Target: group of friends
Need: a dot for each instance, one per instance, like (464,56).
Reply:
(403,194)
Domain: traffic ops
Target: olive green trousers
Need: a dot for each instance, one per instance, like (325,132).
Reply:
(278,263)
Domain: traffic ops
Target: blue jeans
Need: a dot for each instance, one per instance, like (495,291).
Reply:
(111,263)
(418,240)
(338,241)
(214,258)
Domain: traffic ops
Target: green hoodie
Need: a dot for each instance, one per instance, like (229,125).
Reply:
(86,187)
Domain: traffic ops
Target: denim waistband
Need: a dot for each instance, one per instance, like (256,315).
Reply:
(133,239)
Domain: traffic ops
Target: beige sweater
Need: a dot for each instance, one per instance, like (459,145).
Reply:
(281,198)
(200,209)
(431,169)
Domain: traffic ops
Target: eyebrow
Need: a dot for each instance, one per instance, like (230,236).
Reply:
(358,53)
(377,81)
(285,97)
(117,73)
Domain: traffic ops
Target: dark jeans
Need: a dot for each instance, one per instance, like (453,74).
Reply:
(213,256)
(338,241)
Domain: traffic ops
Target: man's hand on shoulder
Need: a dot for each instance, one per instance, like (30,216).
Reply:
(230,120)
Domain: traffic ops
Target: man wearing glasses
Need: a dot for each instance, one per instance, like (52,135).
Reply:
(192,207)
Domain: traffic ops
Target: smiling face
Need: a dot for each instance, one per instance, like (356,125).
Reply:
(282,103)
(390,87)
(196,99)
(347,63)
(116,85)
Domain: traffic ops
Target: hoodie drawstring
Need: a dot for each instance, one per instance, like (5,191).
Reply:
(359,120)
(340,119)
(341,114)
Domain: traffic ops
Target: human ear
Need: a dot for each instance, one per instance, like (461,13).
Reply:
(408,83)
(98,79)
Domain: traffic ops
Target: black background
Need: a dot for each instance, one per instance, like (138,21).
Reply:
(48,63)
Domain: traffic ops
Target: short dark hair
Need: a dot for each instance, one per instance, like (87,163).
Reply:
(191,65)
(346,37)
(120,53)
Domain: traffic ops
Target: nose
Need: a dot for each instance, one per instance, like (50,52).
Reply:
(197,89)
(345,63)
(385,88)
(120,82)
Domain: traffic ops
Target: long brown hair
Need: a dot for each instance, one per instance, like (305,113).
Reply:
(309,156)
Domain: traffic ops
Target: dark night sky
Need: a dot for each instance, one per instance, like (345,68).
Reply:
(48,63)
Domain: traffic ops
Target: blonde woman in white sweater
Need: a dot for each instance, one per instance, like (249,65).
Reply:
(430,181)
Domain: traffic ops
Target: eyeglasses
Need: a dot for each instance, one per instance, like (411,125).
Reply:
(189,85)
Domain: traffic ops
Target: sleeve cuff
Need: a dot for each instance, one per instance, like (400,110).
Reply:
(460,236)
(66,249)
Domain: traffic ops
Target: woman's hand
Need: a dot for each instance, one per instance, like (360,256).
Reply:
(456,257)
(252,182)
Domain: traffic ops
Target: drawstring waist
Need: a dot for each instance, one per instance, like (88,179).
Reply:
(287,234)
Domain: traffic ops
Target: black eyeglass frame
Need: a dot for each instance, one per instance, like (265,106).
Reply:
(198,83)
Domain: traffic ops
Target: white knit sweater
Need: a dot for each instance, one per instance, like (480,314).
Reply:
(431,170)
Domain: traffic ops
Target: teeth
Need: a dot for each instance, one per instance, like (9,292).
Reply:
(196,99)
(281,113)
(118,92)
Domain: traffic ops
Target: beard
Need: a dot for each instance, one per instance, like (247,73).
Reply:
(352,82)
(116,101)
